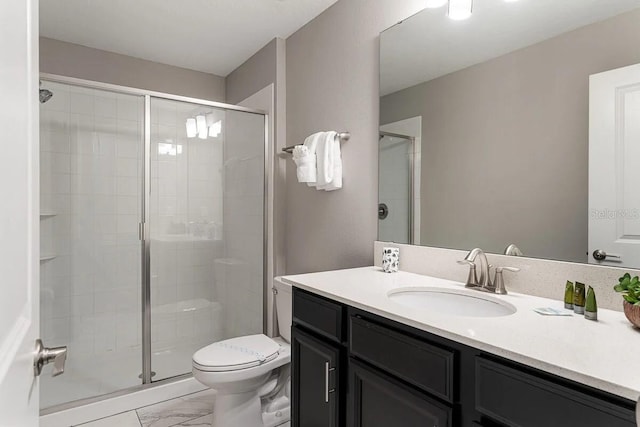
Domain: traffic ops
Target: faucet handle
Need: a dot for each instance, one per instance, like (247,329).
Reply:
(498,282)
(472,279)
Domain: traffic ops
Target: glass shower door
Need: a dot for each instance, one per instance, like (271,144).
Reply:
(91,152)
(395,192)
(206,229)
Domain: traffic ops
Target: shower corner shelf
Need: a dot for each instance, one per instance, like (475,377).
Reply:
(44,258)
(47,214)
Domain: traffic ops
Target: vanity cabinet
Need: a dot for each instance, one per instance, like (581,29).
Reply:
(318,362)
(390,374)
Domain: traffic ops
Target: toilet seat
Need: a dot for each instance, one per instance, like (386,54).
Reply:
(236,354)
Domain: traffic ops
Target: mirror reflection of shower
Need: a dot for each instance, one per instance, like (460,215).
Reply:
(395,188)
(45,94)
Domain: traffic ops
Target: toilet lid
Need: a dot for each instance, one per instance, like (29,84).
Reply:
(236,353)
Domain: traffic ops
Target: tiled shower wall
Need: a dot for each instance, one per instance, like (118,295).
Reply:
(90,268)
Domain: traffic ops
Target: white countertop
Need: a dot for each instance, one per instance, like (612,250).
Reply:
(602,354)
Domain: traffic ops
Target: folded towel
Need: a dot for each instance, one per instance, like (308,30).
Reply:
(330,163)
(306,164)
(311,144)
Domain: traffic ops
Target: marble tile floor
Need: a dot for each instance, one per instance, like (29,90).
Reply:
(192,410)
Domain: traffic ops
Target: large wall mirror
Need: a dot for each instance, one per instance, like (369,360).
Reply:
(519,125)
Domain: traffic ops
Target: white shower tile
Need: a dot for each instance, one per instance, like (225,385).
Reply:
(128,205)
(83,126)
(105,334)
(128,167)
(129,108)
(82,305)
(127,146)
(54,121)
(104,185)
(81,103)
(105,204)
(60,183)
(105,106)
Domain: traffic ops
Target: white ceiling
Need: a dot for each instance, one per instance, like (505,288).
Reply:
(214,36)
(429,45)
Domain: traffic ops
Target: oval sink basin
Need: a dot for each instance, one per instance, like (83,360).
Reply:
(452,302)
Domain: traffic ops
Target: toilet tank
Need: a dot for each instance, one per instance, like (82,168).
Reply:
(284,307)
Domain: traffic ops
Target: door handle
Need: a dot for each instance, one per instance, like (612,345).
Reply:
(600,255)
(327,369)
(45,355)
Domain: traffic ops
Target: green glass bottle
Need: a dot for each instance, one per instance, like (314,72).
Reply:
(591,309)
(578,298)
(568,296)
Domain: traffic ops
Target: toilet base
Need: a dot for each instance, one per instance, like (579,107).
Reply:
(245,409)
(242,409)
(278,418)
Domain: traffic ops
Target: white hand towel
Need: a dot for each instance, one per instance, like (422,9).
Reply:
(333,165)
(324,153)
(311,143)
(306,164)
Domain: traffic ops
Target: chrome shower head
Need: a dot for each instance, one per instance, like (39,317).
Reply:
(45,95)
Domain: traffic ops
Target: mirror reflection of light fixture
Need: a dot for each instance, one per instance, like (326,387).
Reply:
(434,4)
(192,129)
(201,123)
(210,119)
(169,149)
(460,9)
(215,129)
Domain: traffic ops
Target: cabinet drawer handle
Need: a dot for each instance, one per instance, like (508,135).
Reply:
(327,369)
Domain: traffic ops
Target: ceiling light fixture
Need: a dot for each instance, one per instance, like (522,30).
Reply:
(460,9)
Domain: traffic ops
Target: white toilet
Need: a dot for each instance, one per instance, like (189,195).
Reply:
(251,374)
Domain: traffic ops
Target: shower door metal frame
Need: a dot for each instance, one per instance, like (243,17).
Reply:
(145,218)
(412,196)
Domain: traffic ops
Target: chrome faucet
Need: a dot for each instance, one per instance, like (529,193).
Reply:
(484,280)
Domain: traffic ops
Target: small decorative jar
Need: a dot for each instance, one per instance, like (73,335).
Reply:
(390,259)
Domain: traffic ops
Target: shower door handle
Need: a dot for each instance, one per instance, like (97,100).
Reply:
(46,355)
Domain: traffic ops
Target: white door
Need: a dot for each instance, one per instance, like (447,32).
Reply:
(19,215)
(614,162)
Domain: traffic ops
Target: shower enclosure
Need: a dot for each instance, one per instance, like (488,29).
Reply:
(152,233)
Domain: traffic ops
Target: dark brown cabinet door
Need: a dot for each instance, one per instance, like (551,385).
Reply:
(315,376)
(376,399)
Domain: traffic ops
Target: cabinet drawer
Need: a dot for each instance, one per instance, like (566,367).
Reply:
(518,398)
(424,365)
(322,316)
(377,400)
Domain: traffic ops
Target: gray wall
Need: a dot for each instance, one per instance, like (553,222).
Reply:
(505,143)
(254,74)
(73,60)
(332,84)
